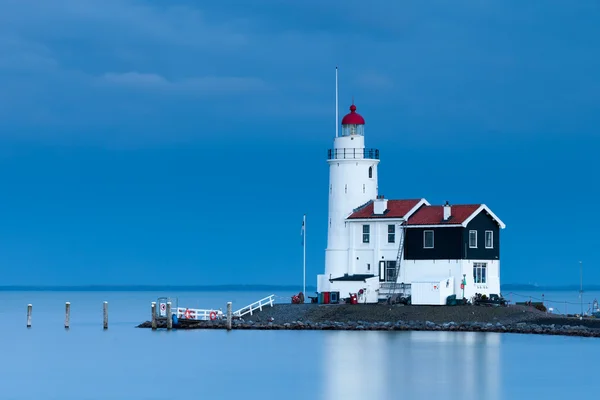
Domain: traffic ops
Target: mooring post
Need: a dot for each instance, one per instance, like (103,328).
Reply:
(67,314)
(153,315)
(105,315)
(169,316)
(29,307)
(229,316)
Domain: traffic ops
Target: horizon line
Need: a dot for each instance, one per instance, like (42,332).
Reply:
(248,287)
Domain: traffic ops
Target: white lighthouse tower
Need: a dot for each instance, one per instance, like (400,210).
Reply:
(352,183)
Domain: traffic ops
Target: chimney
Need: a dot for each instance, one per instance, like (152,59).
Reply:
(447,211)
(379,205)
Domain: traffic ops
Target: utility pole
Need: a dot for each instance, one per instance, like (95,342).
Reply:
(581,286)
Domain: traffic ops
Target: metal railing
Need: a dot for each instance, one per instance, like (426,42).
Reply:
(198,314)
(257,305)
(351,153)
(388,287)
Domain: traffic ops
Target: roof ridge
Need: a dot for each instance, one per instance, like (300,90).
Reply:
(362,206)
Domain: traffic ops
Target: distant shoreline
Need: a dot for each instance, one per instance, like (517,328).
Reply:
(245,288)
(154,288)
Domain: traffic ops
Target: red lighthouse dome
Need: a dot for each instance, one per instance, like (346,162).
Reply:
(353,118)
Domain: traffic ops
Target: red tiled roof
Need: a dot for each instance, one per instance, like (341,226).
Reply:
(434,215)
(395,209)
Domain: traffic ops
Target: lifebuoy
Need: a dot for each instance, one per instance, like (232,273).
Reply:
(188,313)
(213,315)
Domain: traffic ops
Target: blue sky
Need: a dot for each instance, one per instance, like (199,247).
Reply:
(180,142)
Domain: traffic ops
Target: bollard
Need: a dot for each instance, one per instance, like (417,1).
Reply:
(105,314)
(169,316)
(229,316)
(29,307)
(153,315)
(67,314)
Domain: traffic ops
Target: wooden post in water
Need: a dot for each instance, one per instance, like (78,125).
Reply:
(67,314)
(153,315)
(229,316)
(29,307)
(105,315)
(169,316)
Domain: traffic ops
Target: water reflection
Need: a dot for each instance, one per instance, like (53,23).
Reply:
(414,365)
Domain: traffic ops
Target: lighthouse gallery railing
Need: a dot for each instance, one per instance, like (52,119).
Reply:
(350,153)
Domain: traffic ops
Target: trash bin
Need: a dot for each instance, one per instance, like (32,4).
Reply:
(334,297)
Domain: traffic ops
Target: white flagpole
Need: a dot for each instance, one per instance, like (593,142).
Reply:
(336,102)
(304,259)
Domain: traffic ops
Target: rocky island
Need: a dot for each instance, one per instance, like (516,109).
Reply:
(468,318)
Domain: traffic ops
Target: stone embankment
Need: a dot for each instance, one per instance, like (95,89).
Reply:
(379,317)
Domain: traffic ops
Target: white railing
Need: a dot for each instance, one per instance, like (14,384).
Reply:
(386,288)
(198,314)
(211,315)
(257,305)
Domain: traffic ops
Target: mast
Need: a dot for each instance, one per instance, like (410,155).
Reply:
(336,102)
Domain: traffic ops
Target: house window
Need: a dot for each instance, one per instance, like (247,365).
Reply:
(391,233)
(489,239)
(390,271)
(473,239)
(480,272)
(428,239)
(381,271)
(370,172)
(366,231)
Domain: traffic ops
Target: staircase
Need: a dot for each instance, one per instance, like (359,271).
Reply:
(393,288)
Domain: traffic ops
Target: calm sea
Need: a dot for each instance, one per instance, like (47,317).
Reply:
(86,362)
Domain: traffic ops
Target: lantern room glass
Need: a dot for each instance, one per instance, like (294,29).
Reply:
(353,129)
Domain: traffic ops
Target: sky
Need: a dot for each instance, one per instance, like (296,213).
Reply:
(180,142)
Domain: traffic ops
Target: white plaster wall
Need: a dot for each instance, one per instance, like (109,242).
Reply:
(421,270)
(322,283)
(432,292)
(349,188)
(346,142)
(362,255)
(370,288)
(492,286)
(414,270)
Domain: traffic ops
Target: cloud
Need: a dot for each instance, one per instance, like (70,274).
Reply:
(375,81)
(498,66)
(210,85)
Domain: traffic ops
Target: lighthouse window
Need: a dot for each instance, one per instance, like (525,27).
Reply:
(366,233)
(370,172)
(363,187)
(390,271)
(480,272)
(489,242)
(428,239)
(473,239)
(391,233)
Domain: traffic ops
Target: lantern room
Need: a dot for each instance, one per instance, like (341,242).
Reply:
(353,123)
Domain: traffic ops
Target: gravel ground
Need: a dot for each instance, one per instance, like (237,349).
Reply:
(513,319)
(315,313)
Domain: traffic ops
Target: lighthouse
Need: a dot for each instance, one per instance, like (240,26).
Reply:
(404,250)
(352,183)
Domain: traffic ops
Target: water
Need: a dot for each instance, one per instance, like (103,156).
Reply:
(86,362)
